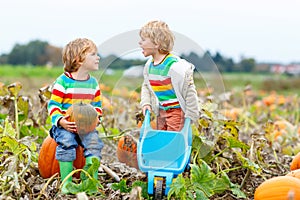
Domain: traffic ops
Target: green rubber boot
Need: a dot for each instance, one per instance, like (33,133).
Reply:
(88,162)
(65,169)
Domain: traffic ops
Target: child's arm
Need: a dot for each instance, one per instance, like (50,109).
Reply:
(97,103)
(55,104)
(191,99)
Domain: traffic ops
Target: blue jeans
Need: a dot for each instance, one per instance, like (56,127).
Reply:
(68,142)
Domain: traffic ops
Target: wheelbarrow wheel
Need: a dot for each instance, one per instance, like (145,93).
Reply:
(158,188)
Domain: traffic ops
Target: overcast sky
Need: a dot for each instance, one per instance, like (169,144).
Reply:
(266,30)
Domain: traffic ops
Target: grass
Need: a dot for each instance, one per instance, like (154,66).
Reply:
(33,78)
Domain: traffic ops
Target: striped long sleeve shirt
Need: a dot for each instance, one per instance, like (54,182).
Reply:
(161,84)
(67,91)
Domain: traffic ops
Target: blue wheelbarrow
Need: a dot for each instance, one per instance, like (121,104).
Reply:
(163,155)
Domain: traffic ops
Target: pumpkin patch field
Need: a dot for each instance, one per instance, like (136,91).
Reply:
(245,145)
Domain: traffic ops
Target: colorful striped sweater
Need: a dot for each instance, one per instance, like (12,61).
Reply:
(67,91)
(160,82)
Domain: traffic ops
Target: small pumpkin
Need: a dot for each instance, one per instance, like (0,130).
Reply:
(278,188)
(295,164)
(47,163)
(294,173)
(84,115)
(127,151)
(140,119)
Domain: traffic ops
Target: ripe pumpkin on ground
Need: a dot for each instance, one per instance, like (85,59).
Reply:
(84,115)
(127,151)
(278,188)
(294,173)
(47,163)
(295,164)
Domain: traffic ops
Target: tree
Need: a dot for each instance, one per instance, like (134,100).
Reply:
(224,64)
(17,55)
(247,65)
(33,53)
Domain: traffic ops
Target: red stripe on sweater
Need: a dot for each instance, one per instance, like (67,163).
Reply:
(79,96)
(55,109)
(58,93)
(158,82)
(171,104)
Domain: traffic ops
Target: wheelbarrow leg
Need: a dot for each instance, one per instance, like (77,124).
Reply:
(150,182)
(167,175)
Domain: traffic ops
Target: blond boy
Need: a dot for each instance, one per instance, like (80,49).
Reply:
(168,88)
(73,86)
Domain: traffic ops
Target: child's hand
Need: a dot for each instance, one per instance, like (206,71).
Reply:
(146,107)
(69,126)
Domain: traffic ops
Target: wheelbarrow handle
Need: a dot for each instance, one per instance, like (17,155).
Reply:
(147,119)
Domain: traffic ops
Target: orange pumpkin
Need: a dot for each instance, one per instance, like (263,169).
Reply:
(127,150)
(278,188)
(140,119)
(295,164)
(294,173)
(47,163)
(84,115)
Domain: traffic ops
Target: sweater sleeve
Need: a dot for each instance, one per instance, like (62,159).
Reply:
(191,98)
(183,83)
(55,103)
(145,91)
(97,102)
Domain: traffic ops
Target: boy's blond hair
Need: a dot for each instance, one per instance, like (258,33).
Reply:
(74,53)
(160,34)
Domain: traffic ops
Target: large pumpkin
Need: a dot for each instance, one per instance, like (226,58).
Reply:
(295,164)
(294,173)
(126,151)
(84,115)
(47,163)
(278,188)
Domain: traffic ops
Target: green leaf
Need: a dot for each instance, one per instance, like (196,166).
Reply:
(234,142)
(144,187)
(202,181)
(202,178)
(235,189)
(9,130)
(122,186)
(200,195)
(91,168)
(204,122)
(178,187)
(14,88)
(3,89)
(88,184)
(202,146)
(222,183)
(46,91)
(231,126)
(13,145)
(247,163)
(23,105)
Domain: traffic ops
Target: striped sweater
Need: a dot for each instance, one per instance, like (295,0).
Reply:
(160,82)
(67,91)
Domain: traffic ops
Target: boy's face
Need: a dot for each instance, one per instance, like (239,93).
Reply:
(91,62)
(148,47)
